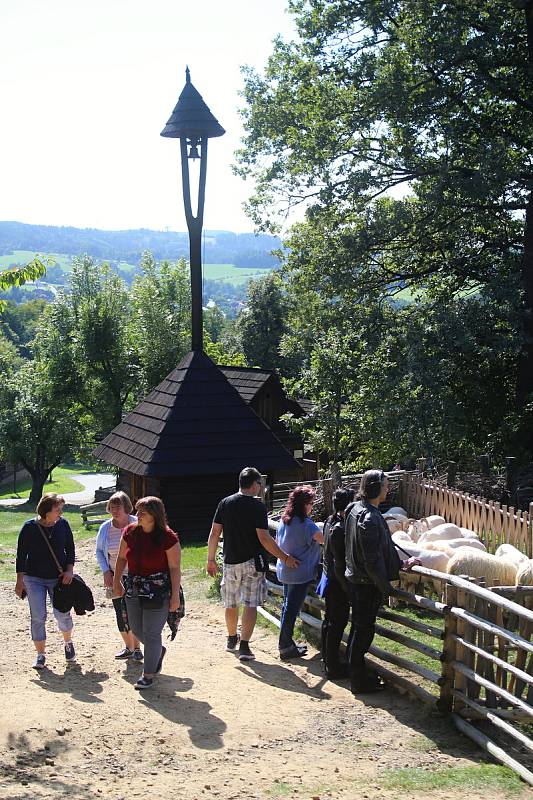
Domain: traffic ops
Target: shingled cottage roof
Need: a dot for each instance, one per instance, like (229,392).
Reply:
(194,423)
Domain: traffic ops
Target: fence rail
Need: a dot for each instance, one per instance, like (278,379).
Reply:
(470,655)
(495,523)
(278,493)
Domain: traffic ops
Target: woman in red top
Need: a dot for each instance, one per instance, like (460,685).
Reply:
(152,552)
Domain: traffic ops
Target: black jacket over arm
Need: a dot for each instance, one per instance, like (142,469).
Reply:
(370,553)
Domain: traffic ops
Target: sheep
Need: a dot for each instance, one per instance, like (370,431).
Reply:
(397,511)
(477,564)
(394,525)
(439,532)
(468,534)
(510,553)
(416,527)
(441,547)
(430,559)
(453,544)
(524,577)
(433,520)
(401,536)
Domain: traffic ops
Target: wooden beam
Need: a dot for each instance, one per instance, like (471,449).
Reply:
(487,744)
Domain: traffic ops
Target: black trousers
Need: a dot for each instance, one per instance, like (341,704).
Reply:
(365,600)
(336,616)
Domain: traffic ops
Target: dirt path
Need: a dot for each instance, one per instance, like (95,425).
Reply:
(212,727)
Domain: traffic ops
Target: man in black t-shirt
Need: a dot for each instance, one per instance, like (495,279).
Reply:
(243,518)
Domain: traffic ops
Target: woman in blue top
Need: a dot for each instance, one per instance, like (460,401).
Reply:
(300,537)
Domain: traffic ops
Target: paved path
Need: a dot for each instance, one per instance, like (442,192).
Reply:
(89,482)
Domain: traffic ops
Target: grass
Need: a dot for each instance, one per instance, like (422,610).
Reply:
(19,257)
(61,483)
(229,273)
(478,777)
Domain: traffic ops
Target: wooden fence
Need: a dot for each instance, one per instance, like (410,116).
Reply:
(277,494)
(469,654)
(494,523)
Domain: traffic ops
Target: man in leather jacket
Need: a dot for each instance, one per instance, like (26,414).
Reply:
(371,564)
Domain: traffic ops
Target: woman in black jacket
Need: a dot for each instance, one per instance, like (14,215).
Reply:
(37,572)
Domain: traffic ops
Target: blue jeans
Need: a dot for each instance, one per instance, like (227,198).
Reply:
(37,589)
(293,598)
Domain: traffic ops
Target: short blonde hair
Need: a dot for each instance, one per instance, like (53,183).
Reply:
(48,502)
(123,499)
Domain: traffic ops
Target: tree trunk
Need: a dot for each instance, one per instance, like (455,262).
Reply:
(38,479)
(524,389)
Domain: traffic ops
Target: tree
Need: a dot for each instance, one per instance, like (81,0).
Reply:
(37,429)
(262,323)
(86,340)
(427,99)
(19,275)
(161,318)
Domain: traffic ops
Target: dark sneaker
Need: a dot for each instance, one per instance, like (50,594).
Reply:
(160,662)
(245,654)
(70,653)
(297,651)
(231,643)
(124,654)
(143,683)
(40,661)
(137,655)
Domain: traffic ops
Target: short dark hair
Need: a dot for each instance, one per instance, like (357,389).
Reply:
(371,484)
(248,476)
(342,498)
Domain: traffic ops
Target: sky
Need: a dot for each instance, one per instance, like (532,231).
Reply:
(87,87)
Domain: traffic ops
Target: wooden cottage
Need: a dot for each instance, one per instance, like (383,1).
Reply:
(187,441)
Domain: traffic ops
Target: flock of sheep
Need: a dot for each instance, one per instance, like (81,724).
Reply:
(445,547)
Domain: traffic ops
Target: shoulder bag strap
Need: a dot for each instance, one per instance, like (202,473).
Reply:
(45,537)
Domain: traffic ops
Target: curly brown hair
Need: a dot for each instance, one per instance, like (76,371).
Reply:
(298,499)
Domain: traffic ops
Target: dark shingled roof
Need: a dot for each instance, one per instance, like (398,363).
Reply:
(194,423)
(247,380)
(191,117)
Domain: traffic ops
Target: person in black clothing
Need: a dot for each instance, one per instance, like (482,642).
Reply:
(37,572)
(243,518)
(371,564)
(335,586)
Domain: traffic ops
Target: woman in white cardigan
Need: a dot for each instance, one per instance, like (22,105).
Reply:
(107,546)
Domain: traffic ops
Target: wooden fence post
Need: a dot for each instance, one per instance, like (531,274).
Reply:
(420,465)
(327,493)
(451,474)
(449,651)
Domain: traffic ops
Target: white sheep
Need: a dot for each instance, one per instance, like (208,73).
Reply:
(416,527)
(440,532)
(393,524)
(468,534)
(453,544)
(524,577)
(510,553)
(477,564)
(430,559)
(433,520)
(397,510)
(401,536)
